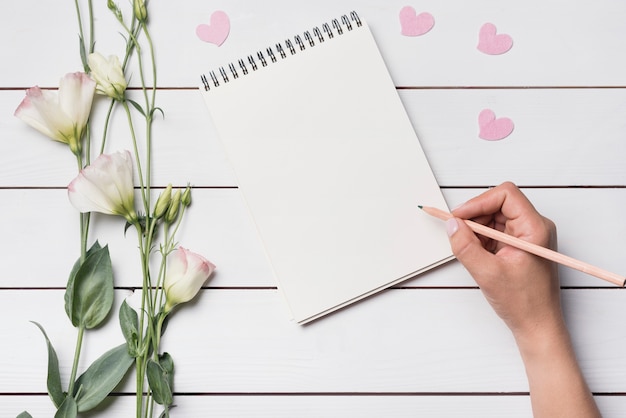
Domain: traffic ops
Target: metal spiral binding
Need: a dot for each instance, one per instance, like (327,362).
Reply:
(281,51)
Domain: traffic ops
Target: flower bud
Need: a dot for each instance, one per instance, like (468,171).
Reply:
(186,198)
(163,202)
(172,211)
(115,9)
(139,8)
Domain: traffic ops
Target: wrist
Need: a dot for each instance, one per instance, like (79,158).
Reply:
(543,340)
(556,383)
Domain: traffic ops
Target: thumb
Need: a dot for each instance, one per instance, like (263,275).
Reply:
(467,247)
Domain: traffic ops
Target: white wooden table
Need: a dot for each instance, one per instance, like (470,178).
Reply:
(431,347)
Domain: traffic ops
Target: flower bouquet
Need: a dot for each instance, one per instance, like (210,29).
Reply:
(171,274)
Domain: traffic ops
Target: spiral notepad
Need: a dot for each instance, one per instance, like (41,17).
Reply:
(328,164)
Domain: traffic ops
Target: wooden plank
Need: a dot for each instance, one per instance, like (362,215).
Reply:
(401,341)
(561,137)
(553,43)
(315,406)
(186,148)
(42,224)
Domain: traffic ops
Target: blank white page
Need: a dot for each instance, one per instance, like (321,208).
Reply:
(332,172)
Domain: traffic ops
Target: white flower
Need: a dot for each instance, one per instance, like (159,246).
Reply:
(105,186)
(60,115)
(186,273)
(108,74)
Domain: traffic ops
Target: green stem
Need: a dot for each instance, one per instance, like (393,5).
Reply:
(84,226)
(149,405)
(133,31)
(157,342)
(149,110)
(80,34)
(165,250)
(144,248)
(155,357)
(178,222)
(84,217)
(106,125)
(84,49)
(137,159)
(87,139)
(139,384)
(83,220)
(79,344)
(154,72)
(91,27)
(149,330)
(80,22)
(146,282)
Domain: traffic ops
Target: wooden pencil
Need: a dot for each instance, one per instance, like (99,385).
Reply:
(532,248)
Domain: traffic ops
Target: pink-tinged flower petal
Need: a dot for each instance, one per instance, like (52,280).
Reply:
(40,110)
(186,273)
(60,115)
(106,186)
(76,91)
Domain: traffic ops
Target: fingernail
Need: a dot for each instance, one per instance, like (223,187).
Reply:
(452,226)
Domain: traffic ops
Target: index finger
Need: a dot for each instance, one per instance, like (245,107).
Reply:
(506,199)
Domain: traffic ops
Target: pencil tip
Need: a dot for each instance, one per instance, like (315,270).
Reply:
(420,206)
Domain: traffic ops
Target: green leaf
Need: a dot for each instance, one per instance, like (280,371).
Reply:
(141,220)
(157,109)
(129,322)
(89,295)
(95,247)
(55,390)
(72,278)
(104,374)
(137,106)
(159,383)
(167,363)
(68,409)
(24,415)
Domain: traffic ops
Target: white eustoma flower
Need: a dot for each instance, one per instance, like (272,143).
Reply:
(60,115)
(105,186)
(108,74)
(186,273)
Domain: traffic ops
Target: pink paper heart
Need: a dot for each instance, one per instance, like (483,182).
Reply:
(413,24)
(216,31)
(492,43)
(492,129)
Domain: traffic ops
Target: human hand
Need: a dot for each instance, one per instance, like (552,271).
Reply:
(523,289)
